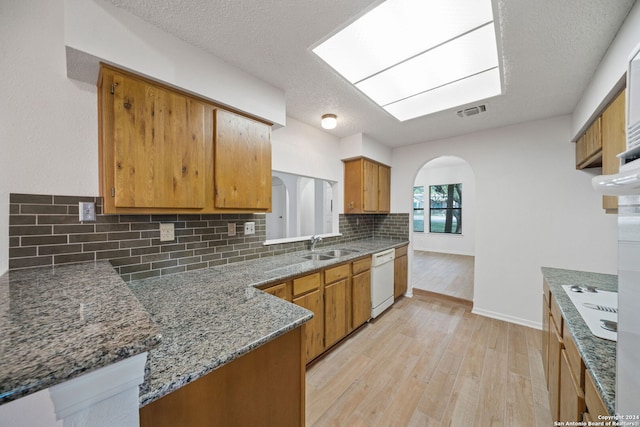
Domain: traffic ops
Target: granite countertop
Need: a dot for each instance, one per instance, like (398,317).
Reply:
(57,323)
(599,355)
(212,316)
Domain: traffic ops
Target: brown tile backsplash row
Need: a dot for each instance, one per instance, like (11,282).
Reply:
(45,230)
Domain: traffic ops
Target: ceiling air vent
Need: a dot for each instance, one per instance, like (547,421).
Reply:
(472,111)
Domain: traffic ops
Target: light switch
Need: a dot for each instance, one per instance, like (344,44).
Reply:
(231,229)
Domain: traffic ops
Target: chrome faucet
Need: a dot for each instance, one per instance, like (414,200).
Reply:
(315,239)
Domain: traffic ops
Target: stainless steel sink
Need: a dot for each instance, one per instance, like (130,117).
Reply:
(339,252)
(317,257)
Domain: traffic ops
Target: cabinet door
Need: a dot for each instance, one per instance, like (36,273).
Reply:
(555,349)
(370,190)
(589,147)
(400,276)
(613,143)
(157,143)
(571,395)
(361,298)
(242,162)
(545,339)
(314,328)
(384,188)
(353,185)
(335,311)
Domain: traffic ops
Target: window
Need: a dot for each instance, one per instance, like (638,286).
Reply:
(445,208)
(418,208)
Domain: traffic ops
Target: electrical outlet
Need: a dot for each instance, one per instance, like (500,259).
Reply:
(231,229)
(87,211)
(167,232)
(249,228)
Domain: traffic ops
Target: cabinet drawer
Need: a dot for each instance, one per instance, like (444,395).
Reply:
(595,405)
(336,273)
(279,290)
(556,315)
(361,265)
(575,361)
(306,284)
(401,251)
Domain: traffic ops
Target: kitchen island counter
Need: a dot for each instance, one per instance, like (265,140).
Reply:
(213,316)
(599,354)
(58,323)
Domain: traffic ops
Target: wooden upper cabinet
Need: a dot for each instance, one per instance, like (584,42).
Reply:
(153,145)
(165,151)
(242,162)
(367,186)
(613,143)
(589,147)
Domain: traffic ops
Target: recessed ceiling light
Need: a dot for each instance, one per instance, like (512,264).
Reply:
(329,121)
(417,57)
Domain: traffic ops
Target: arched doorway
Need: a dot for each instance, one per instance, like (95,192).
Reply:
(443,233)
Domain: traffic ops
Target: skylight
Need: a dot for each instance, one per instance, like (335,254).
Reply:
(418,57)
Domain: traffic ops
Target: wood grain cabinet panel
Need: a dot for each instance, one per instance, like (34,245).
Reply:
(360,298)
(280,290)
(545,338)
(164,151)
(555,354)
(153,145)
(335,311)
(367,186)
(242,162)
(589,147)
(571,395)
(314,328)
(613,143)
(400,272)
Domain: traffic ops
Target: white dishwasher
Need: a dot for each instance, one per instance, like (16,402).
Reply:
(382,281)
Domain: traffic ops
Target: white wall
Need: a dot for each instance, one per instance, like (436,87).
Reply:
(96,31)
(463,244)
(609,77)
(533,209)
(48,123)
(360,144)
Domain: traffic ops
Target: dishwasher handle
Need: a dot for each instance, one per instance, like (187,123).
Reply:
(383,257)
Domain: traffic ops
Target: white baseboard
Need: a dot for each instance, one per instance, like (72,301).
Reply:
(507,318)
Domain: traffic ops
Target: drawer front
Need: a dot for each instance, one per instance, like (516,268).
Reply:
(401,251)
(556,315)
(575,361)
(305,284)
(336,273)
(279,290)
(361,265)
(595,405)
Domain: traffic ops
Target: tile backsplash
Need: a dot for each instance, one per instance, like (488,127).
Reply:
(45,230)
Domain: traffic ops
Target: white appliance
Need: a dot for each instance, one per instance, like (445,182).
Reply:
(382,281)
(626,185)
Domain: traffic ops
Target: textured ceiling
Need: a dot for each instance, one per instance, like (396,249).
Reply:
(549,51)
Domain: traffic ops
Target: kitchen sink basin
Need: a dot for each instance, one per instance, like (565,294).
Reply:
(339,252)
(317,257)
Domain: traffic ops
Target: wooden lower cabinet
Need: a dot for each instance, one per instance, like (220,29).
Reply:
(400,272)
(360,299)
(335,311)
(571,406)
(314,328)
(573,396)
(339,297)
(555,354)
(264,387)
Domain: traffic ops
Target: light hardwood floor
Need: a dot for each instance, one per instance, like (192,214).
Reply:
(431,362)
(446,274)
